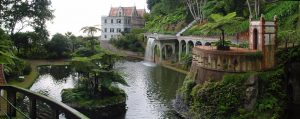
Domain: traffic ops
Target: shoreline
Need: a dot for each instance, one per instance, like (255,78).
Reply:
(33,75)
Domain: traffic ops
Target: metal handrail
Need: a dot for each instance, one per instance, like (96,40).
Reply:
(11,104)
(58,106)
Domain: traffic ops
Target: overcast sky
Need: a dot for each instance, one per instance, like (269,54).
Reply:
(72,15)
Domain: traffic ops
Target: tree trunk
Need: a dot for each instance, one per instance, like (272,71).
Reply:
(223,38)
(96,85)
(249,7)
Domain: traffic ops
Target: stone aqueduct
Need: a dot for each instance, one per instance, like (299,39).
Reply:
(168,46)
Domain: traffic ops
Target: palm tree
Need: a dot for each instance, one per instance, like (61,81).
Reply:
(220,22)
(90,30)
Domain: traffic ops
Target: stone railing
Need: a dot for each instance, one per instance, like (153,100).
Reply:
(234,60)
(57,108)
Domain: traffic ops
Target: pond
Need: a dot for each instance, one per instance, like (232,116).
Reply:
(149,94)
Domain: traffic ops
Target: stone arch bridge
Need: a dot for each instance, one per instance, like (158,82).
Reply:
(173,47)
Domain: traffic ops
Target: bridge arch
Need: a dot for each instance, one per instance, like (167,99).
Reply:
(198,43)
(207,44)
(190,46)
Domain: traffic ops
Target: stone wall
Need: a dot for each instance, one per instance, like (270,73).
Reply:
(211,64)
(235,60)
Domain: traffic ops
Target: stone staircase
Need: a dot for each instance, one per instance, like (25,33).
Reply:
(187,27)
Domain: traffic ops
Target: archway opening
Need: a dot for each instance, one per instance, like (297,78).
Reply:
(255,39)
(198,43)
(191,46)
(167,52)
(183,46)
(207,44)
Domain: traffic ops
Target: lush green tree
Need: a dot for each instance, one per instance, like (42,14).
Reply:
(73,39)
(59,45)
(6,54)
(218,23)
(151,3)
(288,36)
(25,13)
(20,41)
(90,30)
(98,69)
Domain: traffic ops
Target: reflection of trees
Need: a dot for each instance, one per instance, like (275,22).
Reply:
(165,82)
(58,72)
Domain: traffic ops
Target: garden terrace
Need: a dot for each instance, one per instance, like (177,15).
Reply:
(234,60)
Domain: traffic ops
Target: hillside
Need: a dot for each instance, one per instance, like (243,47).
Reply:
(169,18)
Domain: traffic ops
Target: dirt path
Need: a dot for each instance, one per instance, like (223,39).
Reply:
(106,45)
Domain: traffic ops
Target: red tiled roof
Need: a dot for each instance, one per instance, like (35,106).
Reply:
(127,11)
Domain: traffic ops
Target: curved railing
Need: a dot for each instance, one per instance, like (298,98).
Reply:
(56,107)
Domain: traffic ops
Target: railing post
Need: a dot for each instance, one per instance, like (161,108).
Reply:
(32,108)
(55,112)
(11,97)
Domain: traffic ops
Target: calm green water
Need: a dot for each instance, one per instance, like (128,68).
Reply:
(149,95)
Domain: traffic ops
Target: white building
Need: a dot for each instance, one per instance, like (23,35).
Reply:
(121,19)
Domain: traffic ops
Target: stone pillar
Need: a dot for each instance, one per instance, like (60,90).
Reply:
(187,48)
(173,49)
(165,51)
(180,51)
(160,52)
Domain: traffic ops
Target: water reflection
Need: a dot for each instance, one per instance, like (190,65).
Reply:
(53,79)
(150,92)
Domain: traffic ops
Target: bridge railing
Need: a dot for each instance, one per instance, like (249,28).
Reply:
(56,107)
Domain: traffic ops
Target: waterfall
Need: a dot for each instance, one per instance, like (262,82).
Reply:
(149,53)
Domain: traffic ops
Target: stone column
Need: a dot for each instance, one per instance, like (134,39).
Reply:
(160,52)
(187,48)
(165,51)
(173,49)
(180,51)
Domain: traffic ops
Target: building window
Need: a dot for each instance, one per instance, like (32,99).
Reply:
(120,13)
(105,20)
(119,21)
(105,36)
(105,29)
(128,21)
(111,21)
(112,30)
(119,30)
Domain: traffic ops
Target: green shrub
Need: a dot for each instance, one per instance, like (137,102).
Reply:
(187,87)
(27,69)
(129,41)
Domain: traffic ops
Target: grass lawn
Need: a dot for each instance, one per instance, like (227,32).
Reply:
(30,79)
